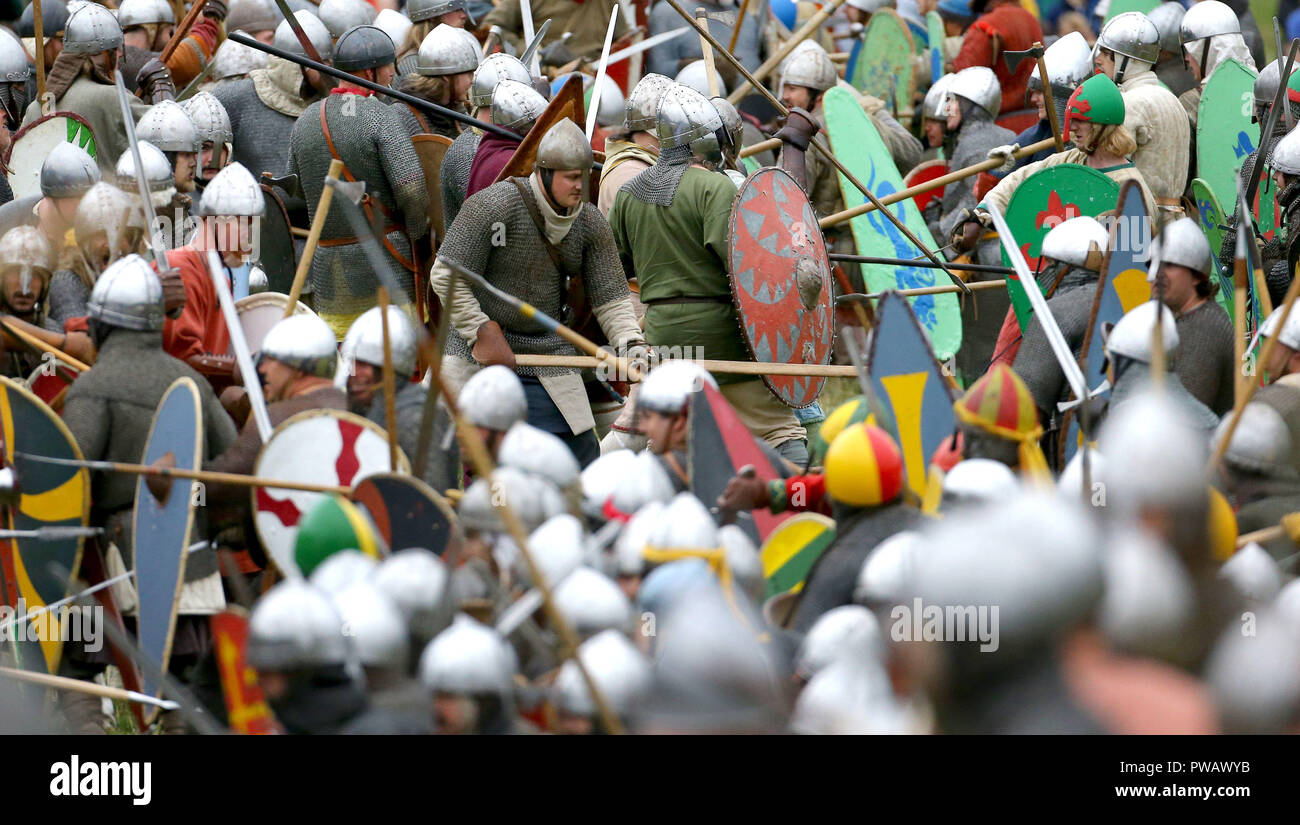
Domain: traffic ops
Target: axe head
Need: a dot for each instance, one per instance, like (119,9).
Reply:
(1013,59)
(354,190)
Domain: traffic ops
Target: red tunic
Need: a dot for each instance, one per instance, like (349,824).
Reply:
(1015,29)
(201,329)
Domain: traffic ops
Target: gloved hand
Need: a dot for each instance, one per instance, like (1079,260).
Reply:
(744,492)
(555,54)
(154,80)
(216,9)
(1003,154)
(799,129)
(491,348)
(173,292)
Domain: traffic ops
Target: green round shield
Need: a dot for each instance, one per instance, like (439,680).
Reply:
(886,71)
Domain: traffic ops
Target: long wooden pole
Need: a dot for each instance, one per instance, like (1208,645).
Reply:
(32,341)
(78,686)
(313,238)
(1048,103)
(725,367)
(39,25)
(930,185)
(924,290)
(761,146)
(817,142)
(190,475)
(711,70)
(390,383)
(740,22)
(800,35)
(182,30)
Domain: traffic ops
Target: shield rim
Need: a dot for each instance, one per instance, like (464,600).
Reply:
(422,486)
(911,179)
(825,522)
(14,385)
(141,489)
(270,197)
(828,287)
(8,154)
(341,415)
(908,90)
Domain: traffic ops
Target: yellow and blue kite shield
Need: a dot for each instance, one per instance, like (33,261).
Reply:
(162,526)
(907,378)
(50,495)
(792,549)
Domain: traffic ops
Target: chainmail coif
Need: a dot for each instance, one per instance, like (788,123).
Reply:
(657,185)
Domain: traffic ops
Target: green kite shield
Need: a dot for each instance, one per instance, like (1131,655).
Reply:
(934,26)
(781,281)
(792,548)
(162,524)
(1210,217)
(34,142)
(50,495)
(1037,206)
(923,173)
(1224,132)
(906,376)
(314,447)
(1118,7)
(886,71)
(857,144)
(407,512)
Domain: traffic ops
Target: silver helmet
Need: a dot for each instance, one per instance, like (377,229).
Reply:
(629,547)
(469,658)
(296,627)
(599,478)
(395,24)
(936,99)
(493,398)
(1182,242)
(640,113)
(668,387)
(1290,335)
(687,118)
(540,453)
(365,342)
(419,10)
(1154,453)
(593,602)
(233,192)
(341,15)
(1167,18)
(317,35)
(518,490)
(68,172)
(416,580)
(108,209)
(446,50)
(167,126)
(1069,63)
(849,631)
(516,105)
(1266,83)
(210,119)
(743,560)
(1261,444)
(809,66)
(1253,573)
(1080,242)
(1252,678)
(731,121)
(888,570)
(129,295)
(91,29)
(1131,36)
(647,481)
(695,76)
(132,13)
(14,67)
(1207,19)
(686,525)
(253,16)
(558,548)
(303,342)
(1131,336)
(157,169)
(236,60)
(26,248)
(54,17)
(980,86)
(364,47)
(1285,157)
(977,481)
(1149,596)
(340,570)
(495,68)
(620,671)
(564,147)
(375,626)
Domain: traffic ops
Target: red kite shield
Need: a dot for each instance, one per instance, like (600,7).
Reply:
(781,281)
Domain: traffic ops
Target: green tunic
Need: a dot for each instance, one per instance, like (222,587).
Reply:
(681,250)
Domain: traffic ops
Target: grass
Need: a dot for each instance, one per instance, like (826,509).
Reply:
(1263,11)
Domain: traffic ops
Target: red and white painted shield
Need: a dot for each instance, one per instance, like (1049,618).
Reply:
(313,447)
(50,379)
(781,281)
(258,313)
(34,142)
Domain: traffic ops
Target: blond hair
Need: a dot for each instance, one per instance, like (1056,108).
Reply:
(1119,142)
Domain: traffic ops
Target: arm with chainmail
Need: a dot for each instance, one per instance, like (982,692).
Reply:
(403,171)
(466,244)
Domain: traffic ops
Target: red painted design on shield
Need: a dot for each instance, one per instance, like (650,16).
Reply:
(282,508)
(347,464)
(1056,213)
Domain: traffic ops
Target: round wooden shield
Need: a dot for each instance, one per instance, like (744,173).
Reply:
(258,313)
(1043,200)
(32,144)
(781,281)
(316,447)
(276,252)
(51,496)
(162,526)
(922,173)
(50,379)
(886,68)
(406,511)
(1019,120)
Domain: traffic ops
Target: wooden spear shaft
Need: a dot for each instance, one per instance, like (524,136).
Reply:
(78,686)
(761,146)
(740,22)
(32,341)
(39,25)
(190,475)
(182,30)
(711,70)
(943,180)
(390,382)
(752,81)
(313,238)
(1048,103)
